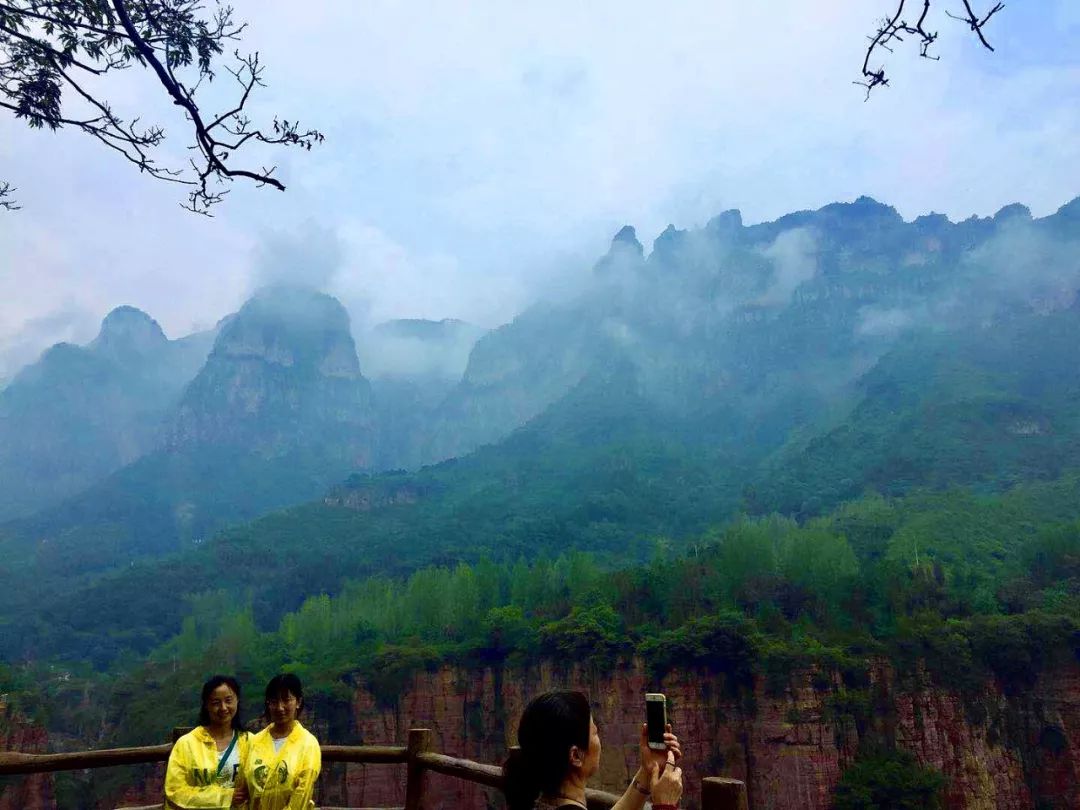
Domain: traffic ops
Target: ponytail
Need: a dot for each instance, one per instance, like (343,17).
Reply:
(520,783)
(550,726)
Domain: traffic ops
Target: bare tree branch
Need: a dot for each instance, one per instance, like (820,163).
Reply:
(974,23)
(895,28)
(50,46)
(6,201)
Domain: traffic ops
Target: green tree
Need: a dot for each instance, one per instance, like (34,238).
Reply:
(820,561)
(891,780)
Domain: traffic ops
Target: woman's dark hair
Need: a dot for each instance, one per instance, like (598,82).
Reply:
(208,688)
(550,726)
(280,684)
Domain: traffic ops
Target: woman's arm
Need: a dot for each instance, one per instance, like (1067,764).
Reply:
(181,794)
(658,775)
(636,794)
(307,773)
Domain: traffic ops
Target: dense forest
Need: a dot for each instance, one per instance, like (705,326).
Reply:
(953,588)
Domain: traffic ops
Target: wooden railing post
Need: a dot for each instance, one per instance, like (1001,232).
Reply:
(180,731)
(419,743)
(720,793)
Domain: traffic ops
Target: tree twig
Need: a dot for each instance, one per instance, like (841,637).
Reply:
(894,28)
(45,42)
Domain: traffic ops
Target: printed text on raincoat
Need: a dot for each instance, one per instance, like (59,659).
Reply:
(192,781)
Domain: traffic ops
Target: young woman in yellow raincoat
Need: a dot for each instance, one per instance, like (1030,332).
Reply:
(206,765)
(285,758)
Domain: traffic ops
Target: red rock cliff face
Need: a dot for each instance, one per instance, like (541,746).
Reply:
(24,792)
(790,745)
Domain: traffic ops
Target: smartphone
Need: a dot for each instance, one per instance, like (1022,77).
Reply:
(656,717)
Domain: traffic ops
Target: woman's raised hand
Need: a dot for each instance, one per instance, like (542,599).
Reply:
(667,788)
(662,767)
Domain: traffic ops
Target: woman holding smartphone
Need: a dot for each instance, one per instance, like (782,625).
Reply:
(285,757)
(206,764)
(559,749)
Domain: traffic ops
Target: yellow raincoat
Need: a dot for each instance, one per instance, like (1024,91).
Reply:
(191,778)
(283,780)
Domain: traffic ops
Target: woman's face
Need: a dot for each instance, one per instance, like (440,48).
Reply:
(591,763)
(283,708)
(221,705)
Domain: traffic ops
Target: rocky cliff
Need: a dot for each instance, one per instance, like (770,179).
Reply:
(33,792)
(790,742)
(283,373)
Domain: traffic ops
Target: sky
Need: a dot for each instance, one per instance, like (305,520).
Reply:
(480,156)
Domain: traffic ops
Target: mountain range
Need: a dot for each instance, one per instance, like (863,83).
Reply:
(785,366)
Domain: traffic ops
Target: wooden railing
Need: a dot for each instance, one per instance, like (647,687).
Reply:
(418,757)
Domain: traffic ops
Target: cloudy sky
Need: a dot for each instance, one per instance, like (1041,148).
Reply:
(480,155)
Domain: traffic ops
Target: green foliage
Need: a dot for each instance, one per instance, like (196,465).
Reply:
(593,632)
(990,407)
(891,780)
(393,668)
(727,643)
(1018,648)
(754,601)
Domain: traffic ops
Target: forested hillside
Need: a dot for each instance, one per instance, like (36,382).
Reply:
(818,444)
(951,591)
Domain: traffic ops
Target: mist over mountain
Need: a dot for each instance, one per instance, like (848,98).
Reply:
(414,364)
(81,412)
(278,412)
(763,326)
(782,366)
(413,348)
(605,471)
(283,373)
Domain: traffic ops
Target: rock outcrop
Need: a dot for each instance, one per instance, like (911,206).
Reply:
(790,745)
(33,792)
(790,742)
(283,373)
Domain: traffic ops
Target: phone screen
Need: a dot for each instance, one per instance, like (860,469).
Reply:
(656,717)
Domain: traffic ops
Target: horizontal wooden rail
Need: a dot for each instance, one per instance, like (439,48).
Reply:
(491,775)
(13,763)
(371,754)
(717,793)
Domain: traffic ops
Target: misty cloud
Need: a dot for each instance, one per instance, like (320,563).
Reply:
(37,334)
(1024,262)
(468,152)
(310,256)
(435,349)
(887,322)
(794,258)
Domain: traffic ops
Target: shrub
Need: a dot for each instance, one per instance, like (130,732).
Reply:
(888,780)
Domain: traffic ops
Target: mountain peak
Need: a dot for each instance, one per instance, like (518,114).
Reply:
(292,326)
(1014,211)
(725,223)
(625,251)
(1070,211)
(863,208)
(128,331)
(665,243)
(283,374)
(627,236)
